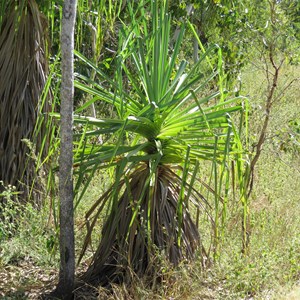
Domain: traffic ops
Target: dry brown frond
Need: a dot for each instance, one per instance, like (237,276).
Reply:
(142,228)
(23,68)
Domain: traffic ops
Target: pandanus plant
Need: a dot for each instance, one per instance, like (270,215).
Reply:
(163,128)
(23,99)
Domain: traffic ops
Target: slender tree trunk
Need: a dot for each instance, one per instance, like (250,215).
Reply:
(67,253)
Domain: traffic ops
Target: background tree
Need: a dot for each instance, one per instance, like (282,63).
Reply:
(23,71)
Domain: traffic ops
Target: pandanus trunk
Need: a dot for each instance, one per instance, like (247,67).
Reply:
(143,226)
(23,67)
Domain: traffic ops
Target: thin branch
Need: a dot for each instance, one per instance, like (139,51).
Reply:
(263,131)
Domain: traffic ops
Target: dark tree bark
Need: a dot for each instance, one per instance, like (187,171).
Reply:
(67,252)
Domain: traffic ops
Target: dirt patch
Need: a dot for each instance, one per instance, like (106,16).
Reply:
(25,280)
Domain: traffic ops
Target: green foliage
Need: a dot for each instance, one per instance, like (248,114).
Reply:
(10,211)
(272,259)
(288,138)
(24,232)
(240,33)
(162,105)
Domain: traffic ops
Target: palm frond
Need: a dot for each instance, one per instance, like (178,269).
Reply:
(23,69)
